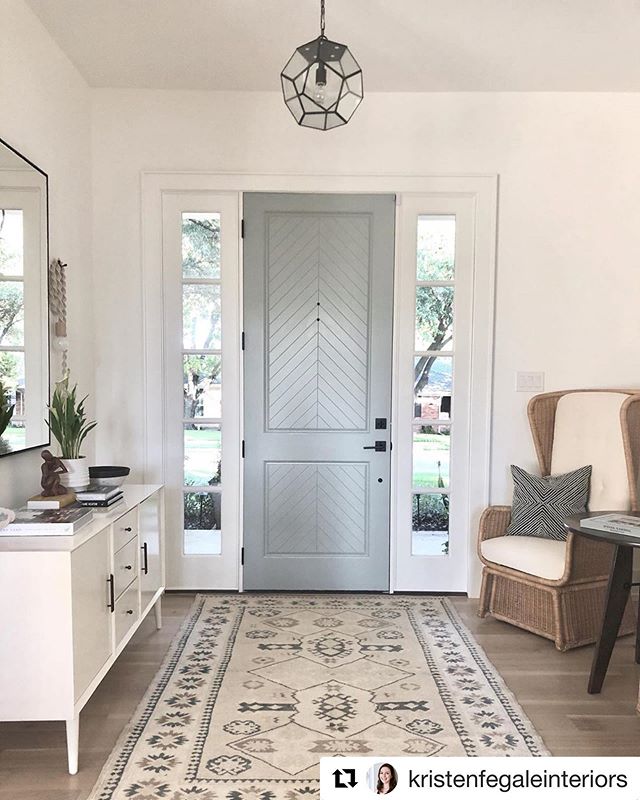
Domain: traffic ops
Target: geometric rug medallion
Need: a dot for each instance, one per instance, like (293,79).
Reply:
(256,689)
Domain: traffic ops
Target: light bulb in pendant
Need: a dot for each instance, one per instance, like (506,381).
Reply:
(319,94)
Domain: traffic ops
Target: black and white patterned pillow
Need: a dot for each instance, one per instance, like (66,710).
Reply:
(540,505)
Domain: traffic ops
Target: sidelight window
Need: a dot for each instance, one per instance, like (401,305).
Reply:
(433,383)
(202,383)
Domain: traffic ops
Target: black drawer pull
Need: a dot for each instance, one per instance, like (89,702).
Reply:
(111,605)
(128,530)
(128,566)
(129,611)
(145,562)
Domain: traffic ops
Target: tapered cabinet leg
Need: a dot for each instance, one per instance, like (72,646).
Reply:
(73,741)
(617,596)
(158,612)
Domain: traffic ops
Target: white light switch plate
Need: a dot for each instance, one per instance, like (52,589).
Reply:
(529,381)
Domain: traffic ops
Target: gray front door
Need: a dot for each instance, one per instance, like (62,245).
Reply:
(318,301)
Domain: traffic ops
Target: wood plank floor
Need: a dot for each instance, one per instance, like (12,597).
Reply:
(550,686)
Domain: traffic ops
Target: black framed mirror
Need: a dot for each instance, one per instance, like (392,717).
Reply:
(24,315)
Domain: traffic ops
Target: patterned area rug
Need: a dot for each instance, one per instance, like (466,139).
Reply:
(257,688)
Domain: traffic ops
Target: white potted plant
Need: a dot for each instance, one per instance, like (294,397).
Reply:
(69,427)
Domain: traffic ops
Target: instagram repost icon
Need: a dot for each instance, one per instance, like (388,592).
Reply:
(344,778)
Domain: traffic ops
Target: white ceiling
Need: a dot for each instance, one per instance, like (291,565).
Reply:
(402,45)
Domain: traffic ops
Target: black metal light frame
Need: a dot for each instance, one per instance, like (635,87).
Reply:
(322,83)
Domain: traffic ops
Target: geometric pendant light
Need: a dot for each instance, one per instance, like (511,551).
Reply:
(322,83)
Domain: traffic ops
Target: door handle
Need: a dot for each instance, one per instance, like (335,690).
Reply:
(379,447)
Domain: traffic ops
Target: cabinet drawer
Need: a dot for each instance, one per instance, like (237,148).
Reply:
(125,566)
(127,611)
(124,529)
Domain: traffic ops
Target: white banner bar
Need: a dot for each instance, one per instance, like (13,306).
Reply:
(497,778)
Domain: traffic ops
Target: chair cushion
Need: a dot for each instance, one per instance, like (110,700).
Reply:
(587,430)
(541,504)
(544,558)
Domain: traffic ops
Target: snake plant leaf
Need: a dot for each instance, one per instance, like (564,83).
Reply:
(68,419)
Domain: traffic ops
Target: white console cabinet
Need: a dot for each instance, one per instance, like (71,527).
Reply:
(70,604)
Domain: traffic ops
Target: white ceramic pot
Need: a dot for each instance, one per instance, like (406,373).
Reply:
(77,474)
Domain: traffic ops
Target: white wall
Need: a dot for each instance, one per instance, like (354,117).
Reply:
(45,114)
(568,280)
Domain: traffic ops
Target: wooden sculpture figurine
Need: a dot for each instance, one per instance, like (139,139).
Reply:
(51,470)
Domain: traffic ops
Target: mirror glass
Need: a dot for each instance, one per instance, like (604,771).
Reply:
(24,317)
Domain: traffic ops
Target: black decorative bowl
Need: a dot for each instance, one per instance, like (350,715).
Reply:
(112,476)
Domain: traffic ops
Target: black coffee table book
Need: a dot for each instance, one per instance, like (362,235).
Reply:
(618,588)
(107,503)
(99,495)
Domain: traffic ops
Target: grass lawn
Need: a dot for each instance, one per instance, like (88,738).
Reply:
(201,455)
(15,437)
(428,449)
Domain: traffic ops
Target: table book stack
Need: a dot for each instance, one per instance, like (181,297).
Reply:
(48,522)
(613,523)
(99,496)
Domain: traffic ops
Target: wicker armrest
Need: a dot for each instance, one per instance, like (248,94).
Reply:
(494,522)
(587,560)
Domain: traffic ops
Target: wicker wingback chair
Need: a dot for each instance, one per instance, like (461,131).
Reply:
(557,589)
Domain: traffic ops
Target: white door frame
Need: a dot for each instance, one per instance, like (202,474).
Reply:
(481,190)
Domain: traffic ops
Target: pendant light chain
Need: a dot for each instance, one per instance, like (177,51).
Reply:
(322,18)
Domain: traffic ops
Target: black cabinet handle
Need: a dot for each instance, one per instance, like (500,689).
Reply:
(111,605)
(145,562)
(129,611)
(128,566)
(128,530)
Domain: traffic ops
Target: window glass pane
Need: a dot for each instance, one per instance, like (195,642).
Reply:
(431,407)
(201,245)
(434,317)
(430,525)
(201,317)
(436,248)
(202,388)
(12,388)
(202,455)
(202,523)
(14,437)
(431,456)
(11,313)
(432,379)
(12,379)
(11,242)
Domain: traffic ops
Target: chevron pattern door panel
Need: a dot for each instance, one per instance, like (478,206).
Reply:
(316,509)
(318,307)
(317,310)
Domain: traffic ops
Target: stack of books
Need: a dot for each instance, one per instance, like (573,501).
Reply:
(60,522)
(99,496)
(613,523)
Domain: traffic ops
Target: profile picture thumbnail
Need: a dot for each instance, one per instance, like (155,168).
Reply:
(382,778)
